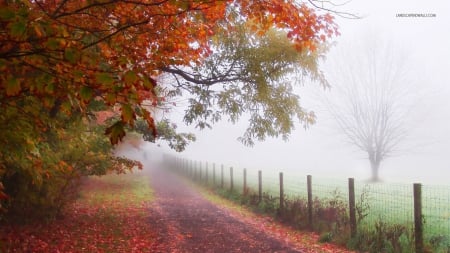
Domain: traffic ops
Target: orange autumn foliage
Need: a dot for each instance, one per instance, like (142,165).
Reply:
(68,53)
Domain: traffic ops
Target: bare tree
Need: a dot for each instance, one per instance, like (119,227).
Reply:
(371,100)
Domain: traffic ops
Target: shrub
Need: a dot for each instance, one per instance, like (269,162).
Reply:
(330,215)
(39,184)
(388,238)
(440,243)
(296,213)
(268,204)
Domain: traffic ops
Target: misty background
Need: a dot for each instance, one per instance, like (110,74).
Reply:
(320,150)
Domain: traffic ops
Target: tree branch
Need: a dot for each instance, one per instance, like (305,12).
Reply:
(342,14)
(205,81)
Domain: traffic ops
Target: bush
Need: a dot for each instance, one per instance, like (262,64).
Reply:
(296,213)
(440,243)
(30,201)
(389,238)
(268,204)
(330,215)
(41,179)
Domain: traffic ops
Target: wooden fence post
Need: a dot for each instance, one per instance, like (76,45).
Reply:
(418,225)
(310,202)
(281,193)
(244,190)
(352,206)
(206,173)
(190,168)
(200,179)
(259,186)
(221,176)
(195,170)
(181,165)
(214,174)
(231,179)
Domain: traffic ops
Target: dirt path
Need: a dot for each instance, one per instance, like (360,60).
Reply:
(190,223)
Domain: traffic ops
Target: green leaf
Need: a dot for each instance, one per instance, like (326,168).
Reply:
(66,107)
(6,14)
(111,98)
(86,93)
(130,77)
(78,75)
(12,86)
(52,43)
(18,28)
(149,83)
(116,132)
(50,88)
(44,83)
(104,78)
(71,55)
(127,114)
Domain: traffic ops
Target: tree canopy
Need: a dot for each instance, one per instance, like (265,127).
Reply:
(63,61)
(69,53)
(250,74)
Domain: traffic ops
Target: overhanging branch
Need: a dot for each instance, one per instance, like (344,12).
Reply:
(203,81)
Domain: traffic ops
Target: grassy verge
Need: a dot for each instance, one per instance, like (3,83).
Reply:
(111,215)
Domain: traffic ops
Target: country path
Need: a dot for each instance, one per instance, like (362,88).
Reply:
(187,222)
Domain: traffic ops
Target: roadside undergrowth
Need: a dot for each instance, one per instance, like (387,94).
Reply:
(308,241)
(111,215)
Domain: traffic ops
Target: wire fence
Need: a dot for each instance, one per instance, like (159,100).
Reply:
(436,211)
(424,209)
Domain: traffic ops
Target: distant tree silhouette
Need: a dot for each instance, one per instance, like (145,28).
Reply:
(372,100)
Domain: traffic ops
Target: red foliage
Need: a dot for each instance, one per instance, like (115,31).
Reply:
(68,53)
(110,226)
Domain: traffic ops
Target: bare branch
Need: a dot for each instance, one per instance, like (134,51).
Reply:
(319,4)
(371,116)
(203,81)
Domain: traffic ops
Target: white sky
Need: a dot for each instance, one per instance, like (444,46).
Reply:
(320,152)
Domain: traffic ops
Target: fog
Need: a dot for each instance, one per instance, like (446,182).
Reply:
(319,150)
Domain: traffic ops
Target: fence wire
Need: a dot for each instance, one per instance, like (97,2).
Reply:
(436,212)
(391,203)
(375,202)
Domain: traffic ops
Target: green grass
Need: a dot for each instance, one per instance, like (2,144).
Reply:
(124,189)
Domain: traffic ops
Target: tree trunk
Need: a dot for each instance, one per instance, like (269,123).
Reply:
(374,166)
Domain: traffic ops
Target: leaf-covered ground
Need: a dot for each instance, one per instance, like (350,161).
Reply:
(110,216)
(122,214)
(200,222)
(306,241)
